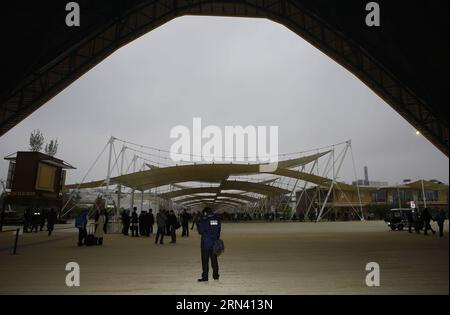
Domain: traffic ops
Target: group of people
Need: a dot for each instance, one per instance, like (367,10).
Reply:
(246,216)
(423,220)
(167,223)
(271,216)
(139,225)
(35,220)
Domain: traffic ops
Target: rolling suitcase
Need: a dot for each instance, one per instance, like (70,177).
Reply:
(90,238)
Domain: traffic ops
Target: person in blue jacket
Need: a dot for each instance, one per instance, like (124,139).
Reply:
(209,228)
(440,219)
(81,223)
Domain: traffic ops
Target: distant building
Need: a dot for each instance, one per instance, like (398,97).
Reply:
(432,194)
(342,202)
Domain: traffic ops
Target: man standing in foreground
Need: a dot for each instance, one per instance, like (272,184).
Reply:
(209,228)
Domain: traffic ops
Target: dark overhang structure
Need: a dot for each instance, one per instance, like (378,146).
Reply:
(404,61)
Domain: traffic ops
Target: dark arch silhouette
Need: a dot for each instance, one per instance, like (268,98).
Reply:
(405,61)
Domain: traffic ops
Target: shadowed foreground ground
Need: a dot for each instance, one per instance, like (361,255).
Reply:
(260,258)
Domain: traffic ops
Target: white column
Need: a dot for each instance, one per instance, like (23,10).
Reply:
(108,174)
(423,195)
(132,191)
(119,188)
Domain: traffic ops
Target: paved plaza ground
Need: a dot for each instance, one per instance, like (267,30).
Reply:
(260,258)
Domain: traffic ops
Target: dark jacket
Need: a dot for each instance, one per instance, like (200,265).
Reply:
(51,218)
(426,216)
(81,220)
(125,218)
(209,228)
(134,217)
(185,218)
(410,217)
(142,218)
(161,220)
(440,218)
(172,219)
(151,218)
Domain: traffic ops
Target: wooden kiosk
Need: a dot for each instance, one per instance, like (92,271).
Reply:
(35,180)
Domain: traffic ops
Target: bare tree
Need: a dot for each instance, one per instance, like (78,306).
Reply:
(36,141)
(51,148)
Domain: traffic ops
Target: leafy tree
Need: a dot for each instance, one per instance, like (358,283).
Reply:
(51,148)
(36,141)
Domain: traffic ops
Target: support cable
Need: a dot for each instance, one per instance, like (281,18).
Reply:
(84,178)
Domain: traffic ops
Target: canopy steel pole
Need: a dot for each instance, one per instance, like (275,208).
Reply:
(335,172)
(297,202)
(132,191)
(149,198)
(319,214)
(314,197)
(357,184)
(119,190)
(319,217)
(142,189)
(423,195)
(317,192)
(108,175)
(82,181)
(16,239)
(2,215)
(156,199)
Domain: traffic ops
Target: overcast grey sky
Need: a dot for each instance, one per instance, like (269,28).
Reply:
(228,71)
